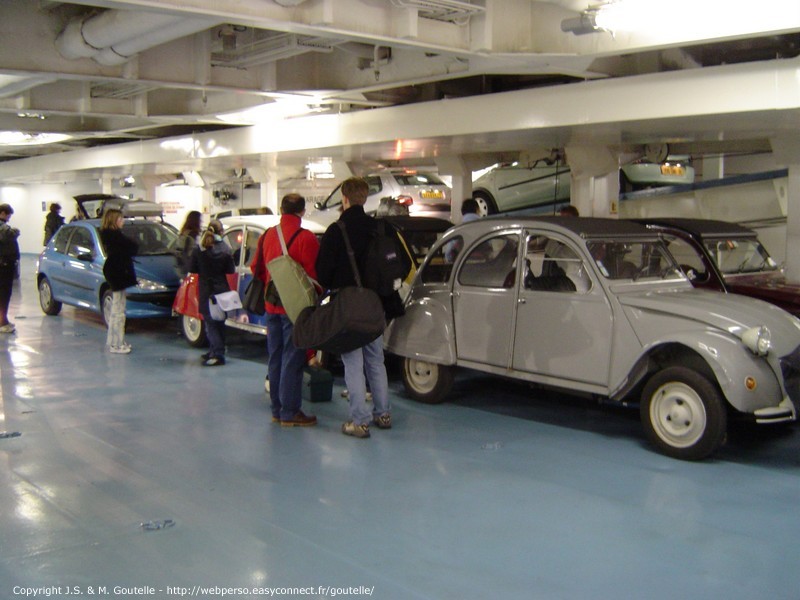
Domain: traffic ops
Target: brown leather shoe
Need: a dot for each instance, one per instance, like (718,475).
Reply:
(299,420)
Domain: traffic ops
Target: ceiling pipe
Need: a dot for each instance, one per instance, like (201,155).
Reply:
(122,52)
(85,37)
(113,36)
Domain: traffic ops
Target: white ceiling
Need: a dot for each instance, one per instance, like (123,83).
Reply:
(448,77)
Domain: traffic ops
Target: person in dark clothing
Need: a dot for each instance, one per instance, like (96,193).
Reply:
(52,222)
(334,272)
(187,241)
(212,261)
(119,273)
(9,259)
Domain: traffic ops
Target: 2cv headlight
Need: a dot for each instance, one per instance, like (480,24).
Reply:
(757,340)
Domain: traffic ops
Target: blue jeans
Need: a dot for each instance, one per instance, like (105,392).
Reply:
(285,368)
(367,360)
(215,331)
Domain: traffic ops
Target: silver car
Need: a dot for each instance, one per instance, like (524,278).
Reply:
(420,194)
(597,306)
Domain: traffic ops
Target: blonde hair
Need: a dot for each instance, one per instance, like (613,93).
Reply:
(214,228)
(110,219)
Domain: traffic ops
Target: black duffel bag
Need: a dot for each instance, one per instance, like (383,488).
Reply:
(351,318)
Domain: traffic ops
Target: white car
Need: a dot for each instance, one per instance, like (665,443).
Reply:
(515,186)
(241,234)
(421,194)
(547,186)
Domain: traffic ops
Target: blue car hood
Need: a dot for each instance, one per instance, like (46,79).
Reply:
(159,268)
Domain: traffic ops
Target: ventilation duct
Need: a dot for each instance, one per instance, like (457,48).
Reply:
(113,36)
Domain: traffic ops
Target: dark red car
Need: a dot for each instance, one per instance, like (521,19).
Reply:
(727,257)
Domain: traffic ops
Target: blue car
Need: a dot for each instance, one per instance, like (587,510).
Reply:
(70,270)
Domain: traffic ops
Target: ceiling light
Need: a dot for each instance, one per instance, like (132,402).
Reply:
(710,19)
(31,115)
(20,138)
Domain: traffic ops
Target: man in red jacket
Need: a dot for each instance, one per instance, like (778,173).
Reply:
(286,362)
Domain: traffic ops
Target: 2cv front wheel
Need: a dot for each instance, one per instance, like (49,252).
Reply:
(683,414)
(427,382)
(194,331)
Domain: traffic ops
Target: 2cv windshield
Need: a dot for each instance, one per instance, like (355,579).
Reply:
(634,260)
(743,255)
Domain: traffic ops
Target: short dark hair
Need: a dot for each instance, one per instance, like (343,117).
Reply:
(6,208)
(568,211)
(292,204)
(55,206)
(356,190)
(470,205)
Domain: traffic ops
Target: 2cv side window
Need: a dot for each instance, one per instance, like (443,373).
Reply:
(440,264)
(492,263)
(234,238)
(551,265)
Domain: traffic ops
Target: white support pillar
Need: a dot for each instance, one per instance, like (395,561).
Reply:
(266,175)
(458,169)
(787,152)
(713,167)
(594,188)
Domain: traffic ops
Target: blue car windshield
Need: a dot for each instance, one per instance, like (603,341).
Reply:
(153,238)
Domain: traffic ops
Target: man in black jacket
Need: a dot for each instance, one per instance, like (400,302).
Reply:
(9,256)
(334,272)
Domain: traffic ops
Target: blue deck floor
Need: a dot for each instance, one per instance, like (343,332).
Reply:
(504,492)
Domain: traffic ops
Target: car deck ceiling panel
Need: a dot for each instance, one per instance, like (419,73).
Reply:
(702,104)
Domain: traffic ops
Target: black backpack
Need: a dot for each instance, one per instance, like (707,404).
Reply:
(385,264)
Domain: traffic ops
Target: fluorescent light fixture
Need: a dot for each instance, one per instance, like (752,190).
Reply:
(279,109)
(320,168)
(20,138)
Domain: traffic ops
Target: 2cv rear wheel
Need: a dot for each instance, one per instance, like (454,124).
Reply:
(683,414)
(427,382)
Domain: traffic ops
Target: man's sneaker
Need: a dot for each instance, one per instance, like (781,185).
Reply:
(119,349)
(359,431)
(299,420)
(214,361)
(205,357)
(7,328)
(346,394)
(383,422)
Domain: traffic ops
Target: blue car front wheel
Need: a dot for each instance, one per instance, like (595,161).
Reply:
(50,306)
